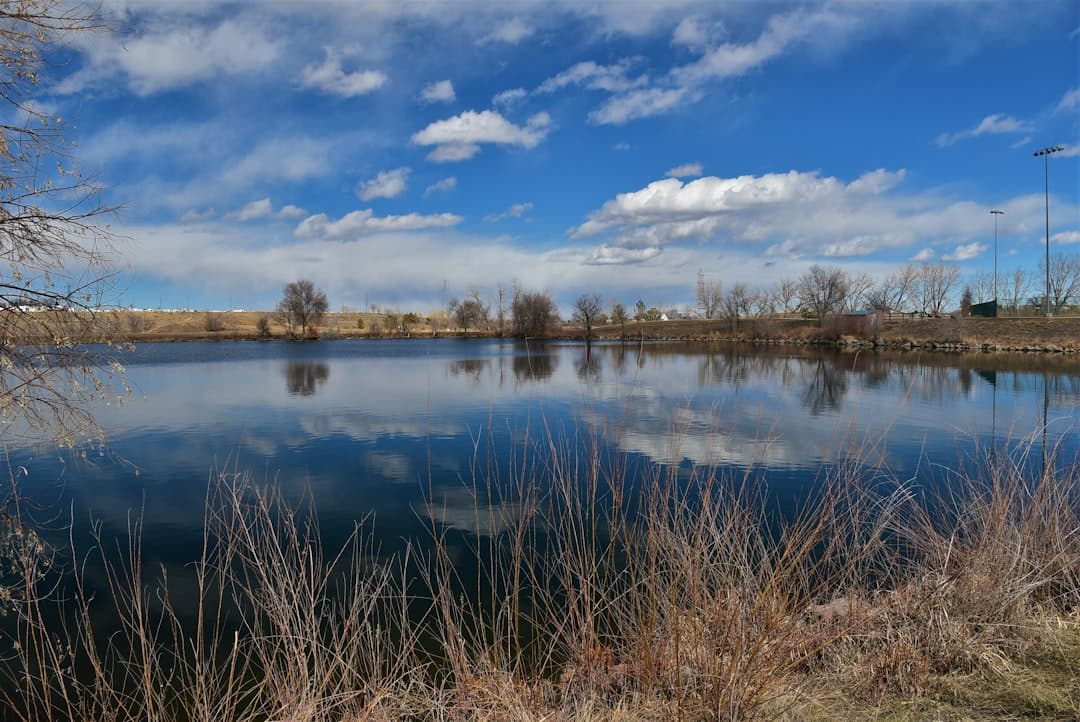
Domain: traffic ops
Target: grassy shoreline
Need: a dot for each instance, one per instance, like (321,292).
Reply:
(1021,334)
(879,599)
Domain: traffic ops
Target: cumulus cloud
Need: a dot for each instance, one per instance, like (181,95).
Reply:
(291,211)
(441,91)
(997,123)
(442,186)
(386,184)
(1065,237)
(358,224)
(255,210)
(510,32)
(1026,140)
(453,152)
(160,60)
(924,255)
(687,170)
(263,208)
(965,252)
(515,211)
(459,137)
(329,77)
(797,214)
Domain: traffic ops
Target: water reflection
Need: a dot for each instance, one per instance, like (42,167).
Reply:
(304,378)
(588,367)
(535,365)
(471,368)
(397,420)
(826,388)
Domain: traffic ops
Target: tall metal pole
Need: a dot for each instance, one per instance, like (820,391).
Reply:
(1046,153)
(996,213)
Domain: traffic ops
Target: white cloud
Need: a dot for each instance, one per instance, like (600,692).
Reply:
(509,98)
(453,152)
(690,32)
(1022,142)
(329,77)
(642,103)
(279,158)
(511,32)
(1070,100)
(621,147)
(441,91)
(195,216)
(924,255)
(443,186)
(687,170)
(965,252)
(253,211)
(1065,237)
(458,138)
(358,224)
(1071,151)
(515,211)
(617,256)
(386,184)
(291,211)
(163,59)
(799,214)
(990,125)
(263,208)
(610,78)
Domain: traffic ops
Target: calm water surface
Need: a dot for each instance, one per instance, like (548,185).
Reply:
(379,427)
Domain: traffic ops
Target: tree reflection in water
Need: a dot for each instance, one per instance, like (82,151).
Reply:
(471,368)
(535,365)
(303,378)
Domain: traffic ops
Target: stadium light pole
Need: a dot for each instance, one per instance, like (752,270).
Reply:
(996,213)
(1046,153)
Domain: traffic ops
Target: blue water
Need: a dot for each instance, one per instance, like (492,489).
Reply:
(378,429)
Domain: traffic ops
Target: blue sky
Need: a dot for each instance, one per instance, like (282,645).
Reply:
(389,149)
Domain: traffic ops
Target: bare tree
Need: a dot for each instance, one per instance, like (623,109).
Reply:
(470,312)
(587,309)
(1016,287)
(500,307)
(895,291)
(982,287)
(762,303)
(533,314)
(710,295)
(859,291)
(936,282)
(1064,279)
(736,304)
(823,290)
(53,253)
(618,315)
(786,296)
(302,307)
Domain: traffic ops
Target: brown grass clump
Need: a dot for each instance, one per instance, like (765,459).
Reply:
(597,597)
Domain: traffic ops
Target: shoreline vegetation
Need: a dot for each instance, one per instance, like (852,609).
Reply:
(1012,334)
(595,596)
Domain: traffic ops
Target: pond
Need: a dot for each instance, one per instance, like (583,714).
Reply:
(399,431)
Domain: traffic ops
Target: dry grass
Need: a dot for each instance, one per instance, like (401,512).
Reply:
(684,596)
